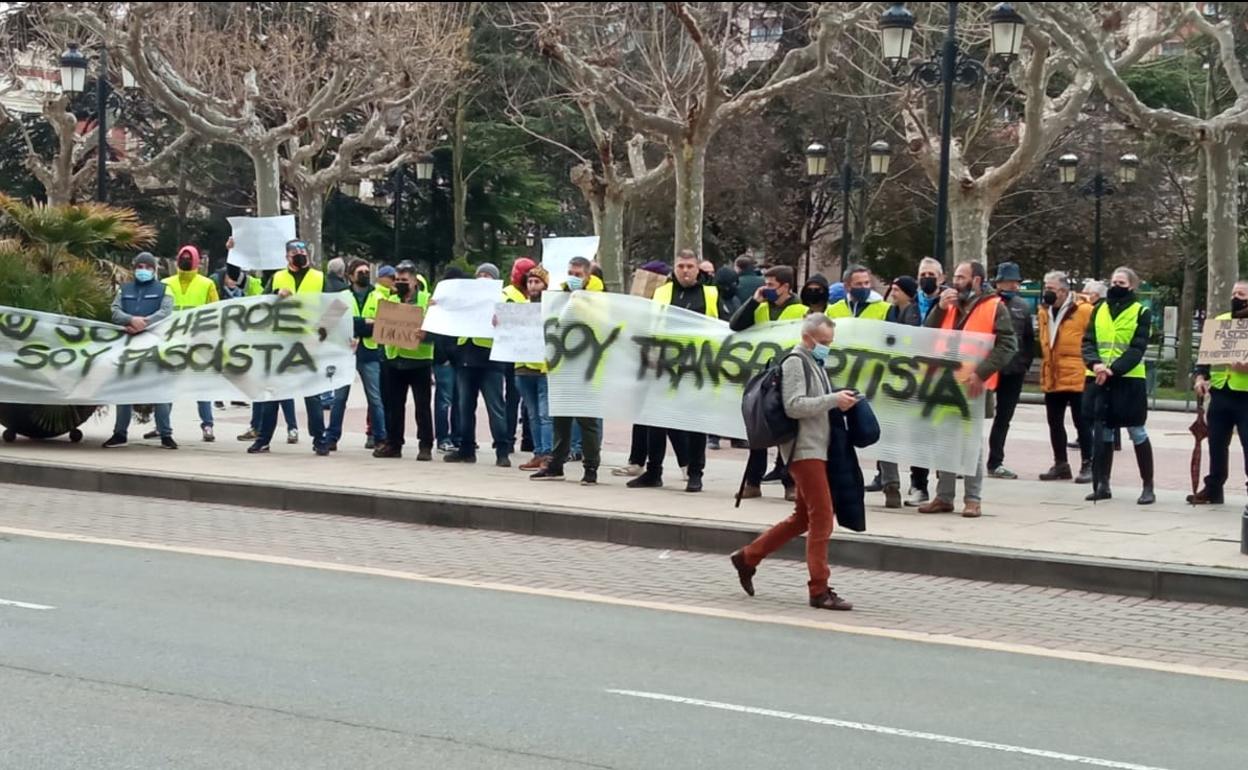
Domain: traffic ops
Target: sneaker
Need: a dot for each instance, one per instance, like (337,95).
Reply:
(250,435)
(590,478)
(167,442)
(447,447)
(151,434)
(1002,472)
(258,448)
(459,458)
(292,436)
(646,481)
(502,462)
(548,474)
(629,471)
(918,496)
(115,441)
(425,455)
(712,444)
(208,435)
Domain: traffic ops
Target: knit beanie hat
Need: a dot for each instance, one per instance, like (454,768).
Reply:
(489,269)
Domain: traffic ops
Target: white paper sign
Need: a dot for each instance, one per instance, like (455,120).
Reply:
(260,242)
(464,307)
(557,252)
(519,336)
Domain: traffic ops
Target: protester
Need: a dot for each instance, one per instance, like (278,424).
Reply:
(336,275)
(531,382)
(773,301)
(1093,291)
(931,283)
(139,304)
(640,440)
(1010,379)
(749,279)
(192,289)
(579,277)
(404,369)
(687,292)
(299,277)
(904,294)
(1116,395)
(516,290)
(859,302)
(1062,323)
(1227,389)
(706,272)
(368,354)
(727,281)
(815,294)
(233,282)
(808,398)
(967,307)
(445,377)
(478,376)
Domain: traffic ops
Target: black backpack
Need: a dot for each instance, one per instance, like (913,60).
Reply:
(762,407)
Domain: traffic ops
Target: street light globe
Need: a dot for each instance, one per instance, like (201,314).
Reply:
(73,70)
(896,33)
(530,238)
(881,157)
(816,159)
(424,167)
(127,79)
(1067,167)
(1128,165)
(1007,32)
(1212,12)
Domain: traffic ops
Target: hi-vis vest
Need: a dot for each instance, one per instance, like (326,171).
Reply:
(424,351)
(663,296)
(795,312)
(313,282)
(512,294)
(983,319)
(255,287)
(1114,335)
(1221,376)
(197,293)
(378,295)
(876,311)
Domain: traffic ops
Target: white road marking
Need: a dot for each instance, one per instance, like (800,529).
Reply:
(686,609)
(883,730)
(25,605)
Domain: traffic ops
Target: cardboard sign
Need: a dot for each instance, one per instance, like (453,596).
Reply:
(398,324)
(1224,342)
(645,282)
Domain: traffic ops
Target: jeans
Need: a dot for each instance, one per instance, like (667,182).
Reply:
(486,381)
(316,420)
(395,383)
(812,514)
(288,410)
(327,399)
(161,413)
(1055,406)
(205,414)
(590,429)
(370,378)
(536,400)
(1009,388)
(445,408)
(947,484)
(1137,433)
(1228,411)
(691,445)
(337,413)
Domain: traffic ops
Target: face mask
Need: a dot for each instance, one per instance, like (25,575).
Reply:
(1118,292)
(299,260)
(820,352)
(576,283)
(928,285)
(403,288)
(1238,306)
(1008,295)
(361,279)
(143,275)
(1050,298)
(860,295)
(771,295)
(185,263)
(814,296)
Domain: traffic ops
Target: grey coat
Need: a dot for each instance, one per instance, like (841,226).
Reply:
(809,406)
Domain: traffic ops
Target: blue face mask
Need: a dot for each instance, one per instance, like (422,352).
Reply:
(576,283)
(860,295)
(771,295)
(820,352)
(143,275)
(1008,295)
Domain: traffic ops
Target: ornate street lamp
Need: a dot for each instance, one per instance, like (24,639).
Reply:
(881,158)
(816,160)
(424,167)
(1068,168)
(73,70)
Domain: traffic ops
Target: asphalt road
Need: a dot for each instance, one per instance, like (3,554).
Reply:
(146,659)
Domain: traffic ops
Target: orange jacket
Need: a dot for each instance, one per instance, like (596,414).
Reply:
(1062,370)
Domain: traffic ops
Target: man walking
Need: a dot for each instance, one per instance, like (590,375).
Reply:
(967,307)
(808,398)
(1062,322)
(478,376)
(407,369)
(1227,388)
(1010,379)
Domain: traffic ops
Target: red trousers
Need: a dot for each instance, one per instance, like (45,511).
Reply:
(813,515)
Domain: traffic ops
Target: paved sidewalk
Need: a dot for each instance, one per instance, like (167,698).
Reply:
(1025,515)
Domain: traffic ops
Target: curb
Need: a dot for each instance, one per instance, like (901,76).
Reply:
(1153,580)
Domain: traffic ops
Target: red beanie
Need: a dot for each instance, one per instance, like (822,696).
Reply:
(519,270)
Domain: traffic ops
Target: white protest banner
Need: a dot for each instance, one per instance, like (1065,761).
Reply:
(558,252)
(623,357)
(518,336)
(250,349)
(260,242)
(463,307)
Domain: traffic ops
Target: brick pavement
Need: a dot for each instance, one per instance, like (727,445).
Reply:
(1208,636)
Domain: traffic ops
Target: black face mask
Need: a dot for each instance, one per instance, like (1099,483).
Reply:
(928,285)
(361,279)
(814,296)
(403,288)
(1239,307)
(185,263)
(1050,298)
(300,261)
(1118,293)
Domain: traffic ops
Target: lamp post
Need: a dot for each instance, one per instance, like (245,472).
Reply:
(896,28)
(424,173)
(880,156)
(74,66)
(1097,188)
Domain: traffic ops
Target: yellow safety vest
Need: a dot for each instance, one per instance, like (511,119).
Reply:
(512,294)
(1222,376)
(794,312)
(424,351)
(1114,335)
(378,295)
(255,287)
(876,311)
(663,296)
(197,293)
(313,282)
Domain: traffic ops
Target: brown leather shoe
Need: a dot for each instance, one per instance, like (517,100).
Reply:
(828,600)
(1205,497)
(936,505)
(971,510)
(536,464)
(749,492)
(745,573)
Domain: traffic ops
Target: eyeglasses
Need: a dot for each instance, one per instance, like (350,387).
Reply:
(296,245)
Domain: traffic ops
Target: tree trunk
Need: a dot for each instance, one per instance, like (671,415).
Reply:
(59,192)
(968,223)
(459,186)
(690,157)
(609,227)
(268,181)
(1222,154)
(1192,253)
(311,221)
